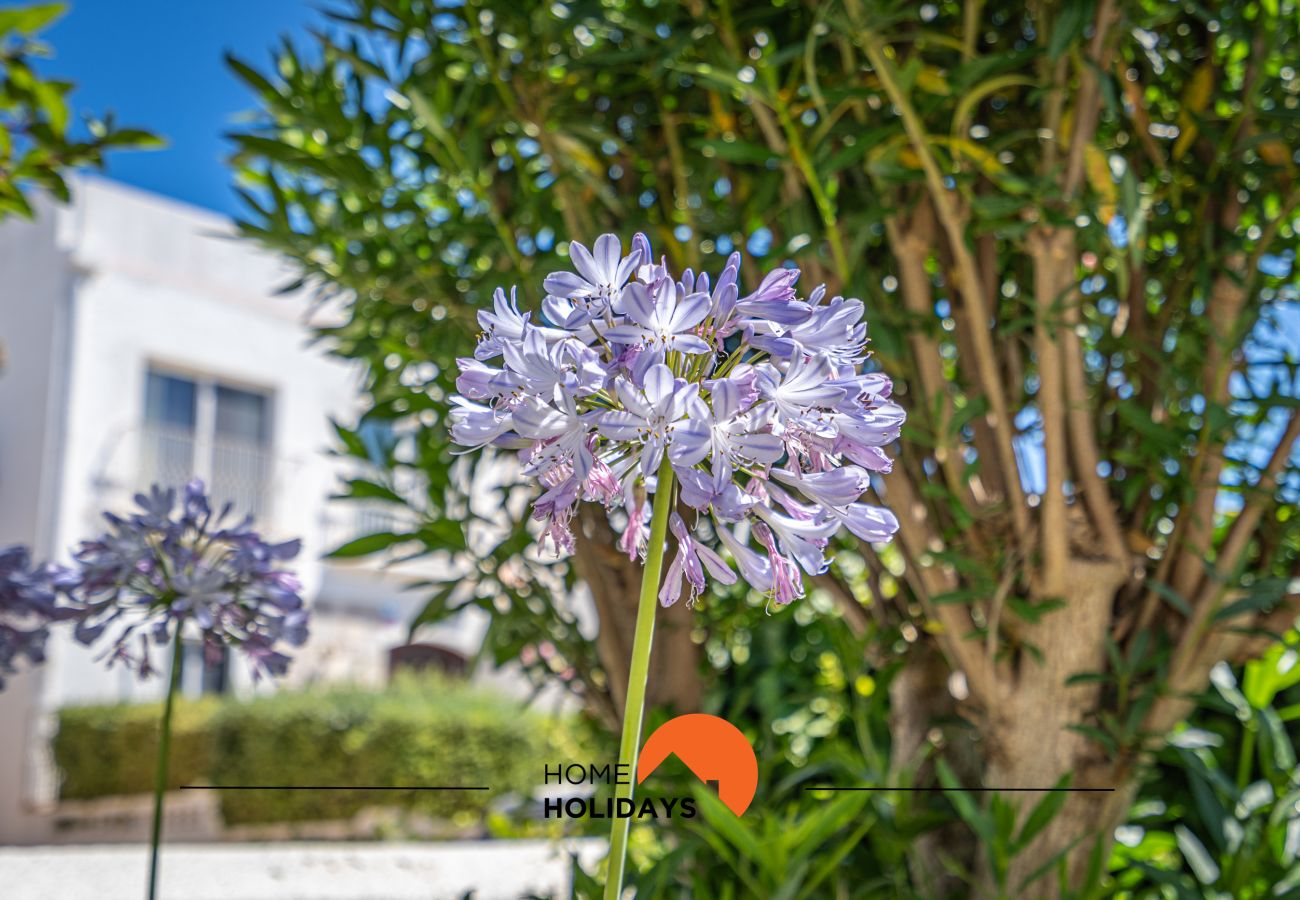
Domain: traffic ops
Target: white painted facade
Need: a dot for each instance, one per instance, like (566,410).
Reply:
(95,296)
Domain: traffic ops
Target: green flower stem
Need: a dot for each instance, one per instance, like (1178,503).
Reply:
(634,708)
(164,752)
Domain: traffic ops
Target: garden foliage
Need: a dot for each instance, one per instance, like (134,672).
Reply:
(415,733)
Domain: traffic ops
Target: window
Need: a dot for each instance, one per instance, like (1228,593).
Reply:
(203,670)
(209,429)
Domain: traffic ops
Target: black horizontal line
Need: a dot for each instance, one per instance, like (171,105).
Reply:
(332,787)
(973,790)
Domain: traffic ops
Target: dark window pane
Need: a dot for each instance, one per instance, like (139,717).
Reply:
(240,461)
(167,441)
(170,401)
(214,673)
(241,416)
(203,671)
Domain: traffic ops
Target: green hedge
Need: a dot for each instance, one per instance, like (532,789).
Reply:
(417,732)
(106,750)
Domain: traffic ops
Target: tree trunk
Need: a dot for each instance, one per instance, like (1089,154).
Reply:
(1028,738)
(615,583)
(919,699)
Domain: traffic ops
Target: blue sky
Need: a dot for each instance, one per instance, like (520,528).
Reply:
(158,65)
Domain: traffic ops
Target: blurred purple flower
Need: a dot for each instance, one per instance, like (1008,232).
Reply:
(173,563)
(28,603)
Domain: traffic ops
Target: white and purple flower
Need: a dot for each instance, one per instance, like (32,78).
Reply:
(758,406)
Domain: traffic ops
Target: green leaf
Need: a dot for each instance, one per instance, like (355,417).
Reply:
(1170,596)
(970,813)
(444,534)
(1071,19)
(251,76)
(370,543)
(50,97)
(726,823)
(1055,860)
(739,151)
(361,489)
(435,609)
(1202,864)
(1262,595)
(1277,670)
(136,139)
(966,106)
(1042,814)
(29,20)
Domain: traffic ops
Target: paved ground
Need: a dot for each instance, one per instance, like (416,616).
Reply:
(493,870)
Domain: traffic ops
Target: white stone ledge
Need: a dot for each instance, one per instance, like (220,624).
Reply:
(355,871)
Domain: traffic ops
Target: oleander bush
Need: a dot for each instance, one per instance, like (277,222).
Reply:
(1074,227)
(416,732)
(1217,813)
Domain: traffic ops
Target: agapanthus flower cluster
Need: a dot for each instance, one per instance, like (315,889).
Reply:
(759,403)
(138,584)
(176,561)
(28,604)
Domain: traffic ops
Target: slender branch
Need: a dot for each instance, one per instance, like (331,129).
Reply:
(1244,528)
(433,124)
(854,615)
(825,205)
(1087,108)
(995,608)
(962,650)
(1082,440)
(576,218)
(1228,297)
(970,283)
(971,12)
(1189,671)
(1051,268)
(988,484)
(1084,454)
(1196,648)
(911,243)
(1054,109)
(762,115)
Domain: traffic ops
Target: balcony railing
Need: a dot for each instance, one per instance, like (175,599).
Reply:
(166,456)
(241,474)
(238,472)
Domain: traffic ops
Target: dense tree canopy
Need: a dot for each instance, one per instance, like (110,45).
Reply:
(1073,224)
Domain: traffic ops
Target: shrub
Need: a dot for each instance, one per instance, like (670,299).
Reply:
(417,733)
(103,751)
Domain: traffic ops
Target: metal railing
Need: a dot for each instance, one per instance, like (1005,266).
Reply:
(238,472)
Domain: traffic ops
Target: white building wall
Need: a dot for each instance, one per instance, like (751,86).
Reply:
(34,290)
(162,285)
(92,296)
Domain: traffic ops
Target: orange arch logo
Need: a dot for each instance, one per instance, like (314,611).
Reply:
(713,749)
